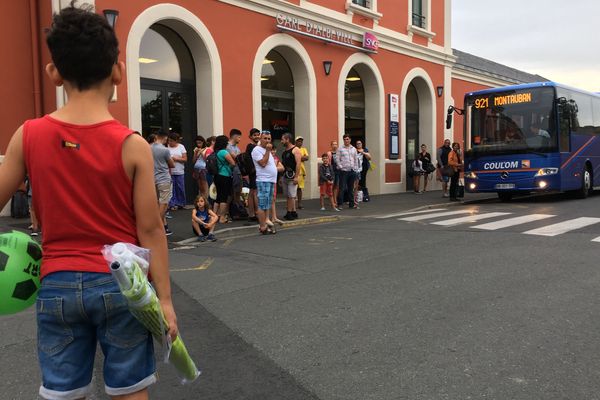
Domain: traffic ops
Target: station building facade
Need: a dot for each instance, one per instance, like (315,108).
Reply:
(383,71)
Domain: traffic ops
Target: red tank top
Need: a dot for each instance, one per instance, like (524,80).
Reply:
(81,193)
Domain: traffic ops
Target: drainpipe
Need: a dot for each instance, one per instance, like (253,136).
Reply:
(35,57)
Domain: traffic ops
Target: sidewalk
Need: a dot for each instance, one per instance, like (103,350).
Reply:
(181,227)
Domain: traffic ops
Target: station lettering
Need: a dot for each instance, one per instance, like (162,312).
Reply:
(321,31)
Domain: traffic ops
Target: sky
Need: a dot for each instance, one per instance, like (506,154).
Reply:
(557,39)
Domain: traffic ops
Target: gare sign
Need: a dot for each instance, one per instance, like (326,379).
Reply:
(326,33)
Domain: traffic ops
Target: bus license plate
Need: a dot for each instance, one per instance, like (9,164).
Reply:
(505,186)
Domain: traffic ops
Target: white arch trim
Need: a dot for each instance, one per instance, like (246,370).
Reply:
(427,111)
(375,132)
(201,41)
(305,97)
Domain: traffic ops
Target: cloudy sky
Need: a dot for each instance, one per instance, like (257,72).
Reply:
(557,39)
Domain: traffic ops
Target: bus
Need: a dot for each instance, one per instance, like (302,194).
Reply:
(531,138)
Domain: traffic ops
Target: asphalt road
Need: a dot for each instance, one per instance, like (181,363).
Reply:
(502,304)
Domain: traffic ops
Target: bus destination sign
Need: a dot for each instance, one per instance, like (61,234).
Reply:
(503,100)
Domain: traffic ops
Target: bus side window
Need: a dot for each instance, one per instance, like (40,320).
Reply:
(564,117)
(596,106)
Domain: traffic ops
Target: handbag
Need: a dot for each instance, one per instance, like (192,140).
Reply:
(447,170)
(429,168)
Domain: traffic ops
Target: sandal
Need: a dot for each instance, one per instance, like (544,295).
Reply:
(270,224)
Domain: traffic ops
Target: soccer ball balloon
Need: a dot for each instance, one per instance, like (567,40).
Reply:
(20,260)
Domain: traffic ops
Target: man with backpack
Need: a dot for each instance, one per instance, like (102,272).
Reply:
(250,170)
(291,159)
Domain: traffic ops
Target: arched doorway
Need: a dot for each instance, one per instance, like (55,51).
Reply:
(277,96)
(361,113)
(417,118)
(286,99)
(412,131)
(167,86)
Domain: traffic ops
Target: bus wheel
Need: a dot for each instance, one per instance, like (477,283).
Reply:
(586,184)
(505,196)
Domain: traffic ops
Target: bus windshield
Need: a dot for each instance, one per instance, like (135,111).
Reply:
(515,121)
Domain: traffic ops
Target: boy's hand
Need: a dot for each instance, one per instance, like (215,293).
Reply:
(169,312)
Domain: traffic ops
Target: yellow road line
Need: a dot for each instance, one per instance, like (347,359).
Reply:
(207,263)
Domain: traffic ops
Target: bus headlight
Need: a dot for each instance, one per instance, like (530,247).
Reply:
(471,175)
(547,171)
(472,186)
(542,184)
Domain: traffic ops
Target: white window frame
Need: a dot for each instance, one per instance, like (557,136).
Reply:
(415,29)
(369,11)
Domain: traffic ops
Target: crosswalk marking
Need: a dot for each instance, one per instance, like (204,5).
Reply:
(435,215)
(596,239)
(409,213)
(505,223)
(470,218)
(563,227)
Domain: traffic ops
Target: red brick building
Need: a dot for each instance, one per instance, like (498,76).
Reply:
(317,68)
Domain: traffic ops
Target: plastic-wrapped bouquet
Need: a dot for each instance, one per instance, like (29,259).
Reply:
(129,266)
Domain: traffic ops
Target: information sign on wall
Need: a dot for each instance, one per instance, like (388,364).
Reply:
(394,131)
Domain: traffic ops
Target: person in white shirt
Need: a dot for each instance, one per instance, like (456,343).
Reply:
(179,156)
(266,177)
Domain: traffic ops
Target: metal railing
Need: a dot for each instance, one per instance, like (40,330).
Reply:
(362,3)
(418,20)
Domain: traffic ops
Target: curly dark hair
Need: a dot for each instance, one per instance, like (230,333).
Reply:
(221,142)
(83,46)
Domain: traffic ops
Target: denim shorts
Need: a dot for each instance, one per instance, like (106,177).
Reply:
(77,310)
(264,194)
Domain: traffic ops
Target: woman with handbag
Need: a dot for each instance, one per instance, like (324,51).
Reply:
(428,166)
(455,161)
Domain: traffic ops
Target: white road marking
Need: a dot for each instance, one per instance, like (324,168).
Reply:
(563,227)
(596,239)
(435,215)
(409,213)
(469,219)
(505,223)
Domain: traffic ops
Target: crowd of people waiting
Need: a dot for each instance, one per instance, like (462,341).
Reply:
(232,183)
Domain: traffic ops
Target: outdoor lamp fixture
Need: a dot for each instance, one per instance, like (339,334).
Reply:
(327,67)
(440,91)
(111,17)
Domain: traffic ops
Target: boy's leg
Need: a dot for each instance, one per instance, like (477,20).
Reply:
(66,339)
(129,366)
(141,395)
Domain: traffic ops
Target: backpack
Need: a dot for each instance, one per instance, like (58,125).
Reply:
(289,162)
(19,206)
(212,164)
(245,164)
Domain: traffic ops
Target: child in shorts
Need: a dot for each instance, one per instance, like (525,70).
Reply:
(203,220)
(92,187)
(326,183)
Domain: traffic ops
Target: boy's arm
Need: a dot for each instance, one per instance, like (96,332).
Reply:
(12,168)
(139,165)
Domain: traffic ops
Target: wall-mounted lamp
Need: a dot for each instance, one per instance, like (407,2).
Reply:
(111,17)
(440,91)
(327,67)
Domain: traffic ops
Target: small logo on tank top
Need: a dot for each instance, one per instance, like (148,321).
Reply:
(70,145)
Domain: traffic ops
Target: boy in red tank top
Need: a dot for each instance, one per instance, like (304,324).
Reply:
(93,182)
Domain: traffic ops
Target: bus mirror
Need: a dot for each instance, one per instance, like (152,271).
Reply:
(448,121)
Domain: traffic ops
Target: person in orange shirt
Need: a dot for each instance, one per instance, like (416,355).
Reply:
(455,161)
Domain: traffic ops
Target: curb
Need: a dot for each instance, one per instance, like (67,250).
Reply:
(288,224)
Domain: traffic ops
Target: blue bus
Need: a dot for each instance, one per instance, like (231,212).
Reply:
(536,137)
